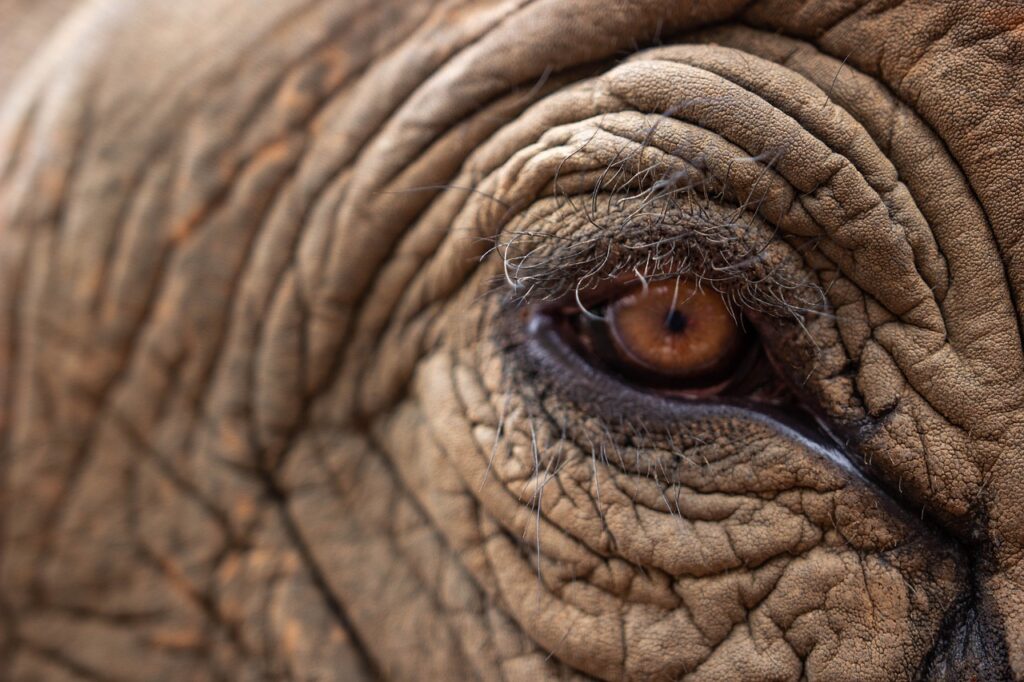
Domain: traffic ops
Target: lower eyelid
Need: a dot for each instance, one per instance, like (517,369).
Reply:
(694,433)
(548,360)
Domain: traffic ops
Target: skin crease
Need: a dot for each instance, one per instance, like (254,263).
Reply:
(271,408)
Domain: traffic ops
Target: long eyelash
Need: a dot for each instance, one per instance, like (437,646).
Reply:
(583,309)
(499,429)
(643,281)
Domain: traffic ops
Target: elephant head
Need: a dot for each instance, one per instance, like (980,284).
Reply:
(664,339)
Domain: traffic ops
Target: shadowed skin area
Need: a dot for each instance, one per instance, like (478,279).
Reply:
(276,401)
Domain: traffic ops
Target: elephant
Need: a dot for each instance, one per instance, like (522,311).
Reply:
(512,340)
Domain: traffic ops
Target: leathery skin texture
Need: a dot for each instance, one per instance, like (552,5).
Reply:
(276,401)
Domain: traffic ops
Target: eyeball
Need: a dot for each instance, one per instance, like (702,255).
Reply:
(671,336)
(675,330)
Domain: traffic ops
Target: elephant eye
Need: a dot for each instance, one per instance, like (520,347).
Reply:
(672,336)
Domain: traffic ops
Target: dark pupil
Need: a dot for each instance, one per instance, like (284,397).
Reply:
(676,322)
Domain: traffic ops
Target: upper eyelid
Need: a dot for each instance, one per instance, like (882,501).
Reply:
(553,281)
(563,243)
(600,291)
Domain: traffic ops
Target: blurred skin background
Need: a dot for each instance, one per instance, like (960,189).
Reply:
(23,25)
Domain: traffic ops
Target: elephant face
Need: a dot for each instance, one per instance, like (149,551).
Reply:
(514,340)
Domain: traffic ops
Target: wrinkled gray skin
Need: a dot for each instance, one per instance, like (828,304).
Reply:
(272,406)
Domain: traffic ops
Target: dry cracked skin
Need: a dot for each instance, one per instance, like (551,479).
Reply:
(321,356)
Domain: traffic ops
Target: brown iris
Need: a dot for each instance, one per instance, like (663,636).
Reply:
(672,332)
